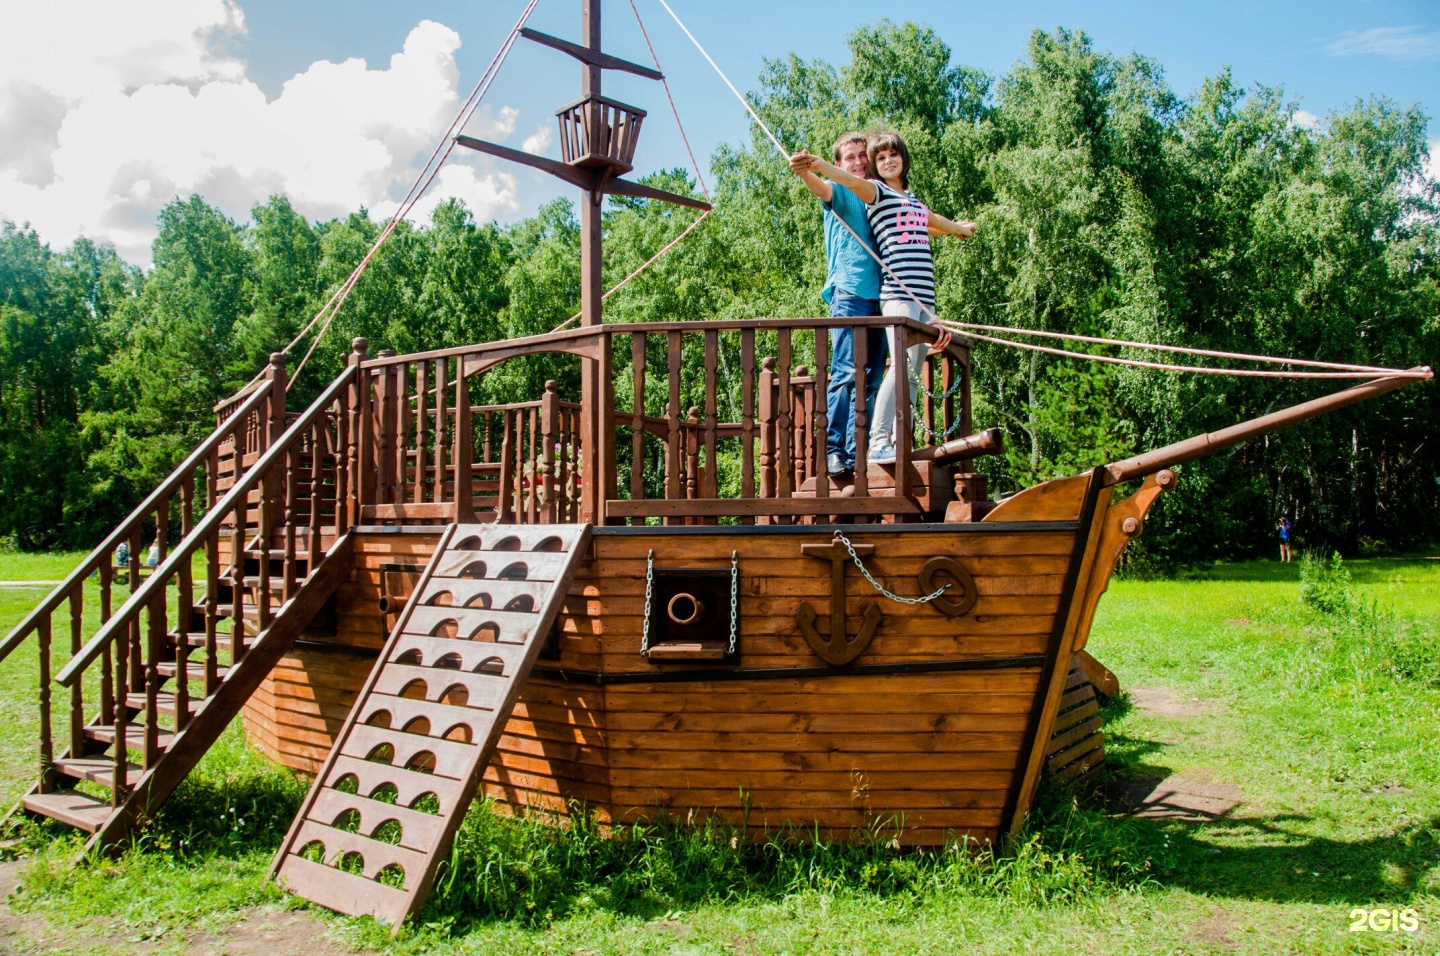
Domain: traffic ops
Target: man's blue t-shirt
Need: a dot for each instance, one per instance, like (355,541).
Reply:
(851,268)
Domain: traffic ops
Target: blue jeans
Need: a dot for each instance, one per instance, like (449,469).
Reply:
(839,397)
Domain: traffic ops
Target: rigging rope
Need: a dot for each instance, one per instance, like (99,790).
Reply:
(974,331)
(423,180)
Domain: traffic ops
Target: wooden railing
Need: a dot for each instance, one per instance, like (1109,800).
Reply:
(700,404)
(250,421)
(777,441)
(251,549)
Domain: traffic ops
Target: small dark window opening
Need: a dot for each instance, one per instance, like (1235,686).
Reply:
(690,617)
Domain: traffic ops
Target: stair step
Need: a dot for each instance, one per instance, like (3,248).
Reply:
(278,554)
(79,810)
(99,770)
(164,703)
(195,670)
(134,736)
(197,639)
(276,580)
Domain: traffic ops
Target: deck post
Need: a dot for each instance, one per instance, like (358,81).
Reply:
(360,479)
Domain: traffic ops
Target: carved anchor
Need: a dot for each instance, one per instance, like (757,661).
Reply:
(837,648)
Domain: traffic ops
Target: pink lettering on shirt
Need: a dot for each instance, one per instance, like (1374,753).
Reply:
(911,224)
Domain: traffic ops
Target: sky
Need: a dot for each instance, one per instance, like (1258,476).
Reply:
(111,108)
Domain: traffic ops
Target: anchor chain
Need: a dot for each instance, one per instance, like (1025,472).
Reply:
(940,397)
(931,434)
(649,591)
(734,601)
(926,599)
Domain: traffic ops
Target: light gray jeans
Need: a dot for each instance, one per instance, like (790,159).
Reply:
(882,429)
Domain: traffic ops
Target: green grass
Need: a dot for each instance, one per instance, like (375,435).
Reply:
(1326,724)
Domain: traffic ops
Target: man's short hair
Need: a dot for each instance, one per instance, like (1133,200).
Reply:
(854,136)
(887,139)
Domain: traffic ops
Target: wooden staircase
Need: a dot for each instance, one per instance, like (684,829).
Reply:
(385,807)
(170,749)
(265,506)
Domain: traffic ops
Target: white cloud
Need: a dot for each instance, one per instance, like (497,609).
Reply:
(1393,43)
(1305,119)
(538,141)
(108,111)
(1432,168)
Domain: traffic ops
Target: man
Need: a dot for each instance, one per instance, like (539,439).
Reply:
(852,288)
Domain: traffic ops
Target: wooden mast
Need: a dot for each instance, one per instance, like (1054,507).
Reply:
(594,373)
(597,143)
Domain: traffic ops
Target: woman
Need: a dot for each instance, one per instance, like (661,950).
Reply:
(902,227)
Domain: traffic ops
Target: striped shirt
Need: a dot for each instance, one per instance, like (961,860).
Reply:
(899,222)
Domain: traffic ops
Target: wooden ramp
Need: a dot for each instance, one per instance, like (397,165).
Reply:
(384,809)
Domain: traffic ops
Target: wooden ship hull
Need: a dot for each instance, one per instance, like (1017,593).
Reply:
(928,734)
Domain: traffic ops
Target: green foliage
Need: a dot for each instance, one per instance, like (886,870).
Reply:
(1325,585)
(1107,203)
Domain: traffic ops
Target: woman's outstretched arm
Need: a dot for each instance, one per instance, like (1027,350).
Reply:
(863,188)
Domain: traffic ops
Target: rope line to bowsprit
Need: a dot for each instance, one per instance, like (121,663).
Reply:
(422,182)
(976,332)
(694,164)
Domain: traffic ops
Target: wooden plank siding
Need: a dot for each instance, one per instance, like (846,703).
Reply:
(934,752)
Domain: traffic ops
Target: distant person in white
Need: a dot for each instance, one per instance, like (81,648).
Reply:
(902,226)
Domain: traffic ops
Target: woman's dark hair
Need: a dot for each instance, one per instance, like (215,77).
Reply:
(890,140)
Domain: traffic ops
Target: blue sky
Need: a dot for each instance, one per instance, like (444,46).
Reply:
(1324,53)
(336,103)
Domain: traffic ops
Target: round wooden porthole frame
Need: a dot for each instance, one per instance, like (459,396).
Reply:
(946,604)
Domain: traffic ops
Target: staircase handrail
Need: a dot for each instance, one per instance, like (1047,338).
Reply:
(76,578)
(204,528)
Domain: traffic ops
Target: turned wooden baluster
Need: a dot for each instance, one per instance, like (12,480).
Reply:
(747,418)
(506,505)
(292,517)
(385,432)
(237,584)
(464,449)
(401,392)
(362,439)
(860,350)
(132,636)
(422,418)
(904,434)
(692,457)
(927,403)
(442,427)
(532,466)
(212,582)
(550,414)
(675,457)
(637,420)
(154,648)
(800,415)
(107,656)
(820,410)
(77,692)
(709,480)
(784,431)
(46,782)
(319,440)
(185,603)
(767,430)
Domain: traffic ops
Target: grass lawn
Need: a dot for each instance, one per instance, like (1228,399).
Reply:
(1313,736)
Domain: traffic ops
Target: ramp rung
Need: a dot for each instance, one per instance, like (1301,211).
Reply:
(446,667)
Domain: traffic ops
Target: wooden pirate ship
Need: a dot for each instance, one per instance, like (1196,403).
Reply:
(647,596)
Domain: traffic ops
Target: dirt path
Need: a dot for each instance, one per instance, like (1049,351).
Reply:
(1181,796)
(259,931)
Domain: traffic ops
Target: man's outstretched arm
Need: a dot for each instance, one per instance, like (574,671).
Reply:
(800,164)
